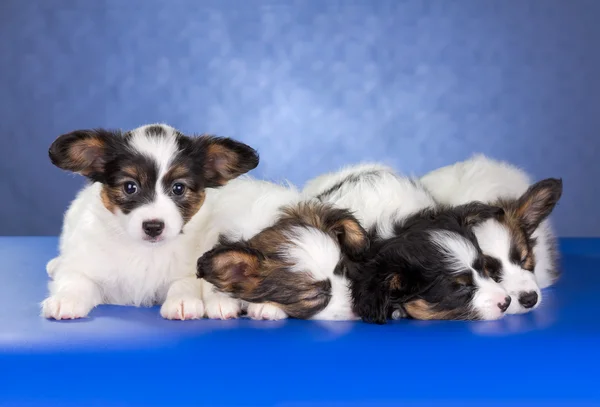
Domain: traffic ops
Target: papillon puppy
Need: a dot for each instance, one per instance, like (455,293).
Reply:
(131,236)
(424,261)
(521,241)
(278,256)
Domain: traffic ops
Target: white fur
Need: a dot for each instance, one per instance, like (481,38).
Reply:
(265,311)
(483,179)
(105,259)
(462,254)
(376,202)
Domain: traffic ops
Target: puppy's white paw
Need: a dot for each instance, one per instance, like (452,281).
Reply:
(57,307)
(182,308)
(265,311)
(52,266)
(221,307)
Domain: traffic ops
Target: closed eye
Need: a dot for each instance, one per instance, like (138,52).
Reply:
(464,279)
(493,267)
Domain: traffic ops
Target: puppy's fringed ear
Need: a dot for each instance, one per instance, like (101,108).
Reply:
(83,151)
(233,269)
(353,239)
(537,203)
(225,159)
(338,223)
(473,213)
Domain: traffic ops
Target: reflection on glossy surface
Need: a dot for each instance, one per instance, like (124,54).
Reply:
(268,361)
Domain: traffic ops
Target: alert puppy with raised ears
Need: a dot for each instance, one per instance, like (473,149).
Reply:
(132,236)
(522,241)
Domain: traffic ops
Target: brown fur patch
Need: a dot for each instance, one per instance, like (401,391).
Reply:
(337,223)
(176,172)
(86,156)
(107,200)
(195,202)
(136,174)
(222,163)
(276,281)
(520,243)
(225,159)
(354,236)
(395,282)
(421,309)
(240,271)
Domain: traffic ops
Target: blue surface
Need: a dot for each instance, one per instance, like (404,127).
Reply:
(312,85)
(125,356)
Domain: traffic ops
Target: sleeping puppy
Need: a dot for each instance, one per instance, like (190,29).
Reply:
(522,241)
(279,256)
(131,236)
(424,261)
(315,260)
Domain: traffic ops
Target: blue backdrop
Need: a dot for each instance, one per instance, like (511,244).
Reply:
(311,84)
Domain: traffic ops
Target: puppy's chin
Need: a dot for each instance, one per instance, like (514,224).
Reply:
(154,242)
(159,240)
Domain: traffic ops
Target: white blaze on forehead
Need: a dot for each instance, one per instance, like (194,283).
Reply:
(160,148)
(458,250)
(493,238)
(315,252)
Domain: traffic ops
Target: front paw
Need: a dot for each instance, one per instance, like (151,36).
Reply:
(182,308)
(221,307)
(58,308)
(52,266)
(265,311)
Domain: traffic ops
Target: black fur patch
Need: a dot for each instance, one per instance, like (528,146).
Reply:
(130,166)
(494,268)
(408,269)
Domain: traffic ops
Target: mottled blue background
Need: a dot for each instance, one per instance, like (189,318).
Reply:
(311,84)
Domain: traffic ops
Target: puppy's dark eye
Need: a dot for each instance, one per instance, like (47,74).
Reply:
(178,188)
(130,187)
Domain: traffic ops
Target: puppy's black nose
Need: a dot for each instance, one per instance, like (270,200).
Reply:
(529,299)
(153,228)
(504,305)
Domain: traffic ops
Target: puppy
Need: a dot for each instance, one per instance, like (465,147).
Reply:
(522,241)
(424,261)
(277,255)
(131,236)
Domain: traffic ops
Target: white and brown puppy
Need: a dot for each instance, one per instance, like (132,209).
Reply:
(522,241)
(131,236)
(277,254)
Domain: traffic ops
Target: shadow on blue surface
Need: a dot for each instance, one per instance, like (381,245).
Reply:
(130,356)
